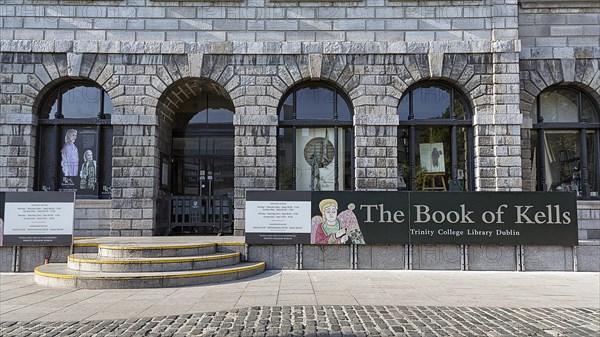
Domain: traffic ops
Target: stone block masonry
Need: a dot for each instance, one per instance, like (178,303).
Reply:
(500,54)
(229,21)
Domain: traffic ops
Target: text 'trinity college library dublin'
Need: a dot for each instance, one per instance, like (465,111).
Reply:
(403,118)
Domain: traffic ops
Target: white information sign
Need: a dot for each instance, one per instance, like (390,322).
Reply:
(278,216)
(281,217)
(37,218)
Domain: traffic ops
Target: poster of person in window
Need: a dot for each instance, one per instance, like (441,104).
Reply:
(78,161)
(2,200)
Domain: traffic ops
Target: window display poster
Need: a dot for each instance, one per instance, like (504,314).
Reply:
(37,218)
(78,154)
(105,166)
(432,157)
(2,197)
(47,163)
(315,158)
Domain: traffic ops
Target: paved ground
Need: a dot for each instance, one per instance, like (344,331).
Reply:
(316,303)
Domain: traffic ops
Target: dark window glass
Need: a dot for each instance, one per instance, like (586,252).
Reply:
(565,143)
(48,172)
(314,103)
(431,102)
(343,109)
(434,150)
(559,105)
(403,108)
(314,147)
(285,155)
(75,141)
(588,113)
(203,148)
(108,106)
(212,116)
(106,170)
(287,109)
(78,102)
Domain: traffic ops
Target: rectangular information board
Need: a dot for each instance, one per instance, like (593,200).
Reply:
(36,218)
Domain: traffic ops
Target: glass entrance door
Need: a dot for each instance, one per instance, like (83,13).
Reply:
(202,158)
(202,180)
(203,166)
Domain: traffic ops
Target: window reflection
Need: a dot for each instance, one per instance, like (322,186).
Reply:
(314,146)
(431,102)
(434,140)
(559,106)
(77,101)
(314,103)
(564,156)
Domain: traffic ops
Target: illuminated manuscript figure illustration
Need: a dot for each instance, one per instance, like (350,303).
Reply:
(88,171)
(70,155)
(333,228)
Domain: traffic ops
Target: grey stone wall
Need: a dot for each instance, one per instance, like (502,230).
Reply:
(19,85)
(588,213)
(92,218)
(251,20)
(30,257)
(556,32)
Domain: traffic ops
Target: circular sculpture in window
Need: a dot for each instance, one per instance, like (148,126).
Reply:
(319,152)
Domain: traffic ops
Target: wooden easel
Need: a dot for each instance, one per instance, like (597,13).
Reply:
(429,182)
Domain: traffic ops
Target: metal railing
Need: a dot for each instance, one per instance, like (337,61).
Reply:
(189,212)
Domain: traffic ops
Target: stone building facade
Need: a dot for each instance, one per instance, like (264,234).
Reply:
(150,57)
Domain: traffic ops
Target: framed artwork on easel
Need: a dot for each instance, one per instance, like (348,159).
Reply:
(432,157)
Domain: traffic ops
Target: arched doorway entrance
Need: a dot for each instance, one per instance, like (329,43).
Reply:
(201,169)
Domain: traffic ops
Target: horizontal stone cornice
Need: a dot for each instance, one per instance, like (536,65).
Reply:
(171,47)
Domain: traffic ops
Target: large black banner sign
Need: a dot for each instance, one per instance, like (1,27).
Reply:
(36,218)
(419,217)
(359,217)
(494,218)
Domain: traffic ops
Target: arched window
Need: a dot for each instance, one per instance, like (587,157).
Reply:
(566,141)
(75,141)
(314,147)
(435,139)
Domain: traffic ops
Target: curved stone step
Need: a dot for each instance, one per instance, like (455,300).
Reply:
(92,247)
(58,275)
(149,250)
(86,248)
(92,262)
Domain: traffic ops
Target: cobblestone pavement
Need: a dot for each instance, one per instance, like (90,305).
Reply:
(335,321)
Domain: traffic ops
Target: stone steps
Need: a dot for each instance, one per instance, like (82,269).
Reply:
(85,262)
(142,250)
(58,275)
(148,265)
